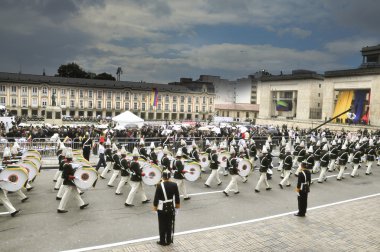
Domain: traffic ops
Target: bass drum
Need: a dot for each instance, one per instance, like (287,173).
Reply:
(13,178)
(222,158)
(204,162)
(244,167)
(34,160)
(85,177)
(33,153)
(193,171)
(31,168)
(152,173)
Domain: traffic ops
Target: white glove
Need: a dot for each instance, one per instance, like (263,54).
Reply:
(298,194)
(176,211)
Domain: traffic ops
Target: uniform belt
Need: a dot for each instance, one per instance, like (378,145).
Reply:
(86,145)
(167,201)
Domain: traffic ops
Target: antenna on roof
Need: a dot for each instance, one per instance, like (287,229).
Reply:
(119,72)
(20,70)
(43,73)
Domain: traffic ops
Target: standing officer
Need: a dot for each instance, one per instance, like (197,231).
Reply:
(303,189)
(163,203)
(86,145)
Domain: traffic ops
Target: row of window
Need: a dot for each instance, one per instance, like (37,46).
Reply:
(99,105)
(72,93)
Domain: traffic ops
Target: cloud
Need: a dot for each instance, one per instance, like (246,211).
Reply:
(298,32)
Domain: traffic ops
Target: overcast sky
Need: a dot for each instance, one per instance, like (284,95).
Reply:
(163,40)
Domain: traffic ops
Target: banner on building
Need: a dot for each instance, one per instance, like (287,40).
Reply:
(154,97)
(284,105)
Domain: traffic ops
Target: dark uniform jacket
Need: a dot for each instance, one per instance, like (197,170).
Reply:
(265,163)
(232,165)
(135,171)
(309,160)
(143,153)
(153,157)
(334,153)
(184,151)
(172,192)
(302,179)
(343,157)
(357,157)
(194,155)
(125,166)
(68,174)
(371,153)
(282,153)
(301,155)
(108,154)
(214,163)
(178,168)
(116,164)
(288,162)
(325,158)
(165,162)
(253,151)
(317,154)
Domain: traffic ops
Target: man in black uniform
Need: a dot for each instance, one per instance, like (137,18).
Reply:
(164,205)
(152,154)
(109,159)
(165,161)
(86,145)
(303,188)
(125,165)
(143,152)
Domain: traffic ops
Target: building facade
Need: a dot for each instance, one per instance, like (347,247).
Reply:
(29,95)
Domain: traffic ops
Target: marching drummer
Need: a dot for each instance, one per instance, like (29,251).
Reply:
(232,165)
(116,165)
(178,168)
(109,160)
(136,180)
(71,189)
(143,152)
(7,204)
(194,152)
(185,153)
(153,154)
(125,166)
(214,165)
(165,161)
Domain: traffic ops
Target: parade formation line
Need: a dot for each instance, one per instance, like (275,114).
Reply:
(220,226)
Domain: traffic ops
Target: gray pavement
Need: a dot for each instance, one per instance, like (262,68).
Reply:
(108,221)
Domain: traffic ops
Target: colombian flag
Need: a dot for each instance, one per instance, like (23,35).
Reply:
(154,97)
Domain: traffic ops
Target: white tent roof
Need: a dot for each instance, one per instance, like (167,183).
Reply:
(126,118)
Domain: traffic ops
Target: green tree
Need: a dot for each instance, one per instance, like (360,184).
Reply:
(72,70)
(104,76)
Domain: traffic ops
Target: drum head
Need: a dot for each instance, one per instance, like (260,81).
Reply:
(152,173)
(16,179)
(31,169)
(193,171)
(222,158)
(85,178)
(244,167)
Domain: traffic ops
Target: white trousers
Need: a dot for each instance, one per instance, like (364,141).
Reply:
(369,167)
(350,157)
(232,186)
(123,180)
(341,172)
(322,175)
(214,173)
(286,178)
(135,187)
(299,169)
(57,174)
(108,167)
(279,168)
(355,171)
(332,165)
(263,178)
(182,187)
(7,204)
(316,166)
(59,180)
(70,191)
(113,177)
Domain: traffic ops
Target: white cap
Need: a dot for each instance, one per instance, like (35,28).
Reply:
(264,150)
(357,146)
(135,152)
(123,151)
(214,148)
(324,140)
(166,151)
(298,140)
(312,139)
(114,147)
(183,142)
(283,141)
(69,153)
(208,142)
(108,142)
(232,150)
(302,144)
(371,142)
(339,141)
(325,147)
(319,143)
(310,150)
(152,145)
(7,152)
(194,144)
(344,147)
(269,139)
(179,153)
(333,143)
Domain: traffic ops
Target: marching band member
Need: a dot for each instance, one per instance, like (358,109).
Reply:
(165,161)
(125,166)
(297,149)
(371,154)
(136,180)
(309,158)
(178,174)
(208,151)
(378,152)
(351,149)
(143,152)
(300,157)
(7,204)
(287,166)
(317,158)
(264,166)
(109,160)
(356,160)
(325,160)
(86,146)
(71,189)
(282,155)
(185,153)
(116,165)
(152,154)
(58,153)
(252,151)
(242,155)
(61,157)
(232,165)
(214,165)
(333,156)
(224,169)
(194,152)
(342,161)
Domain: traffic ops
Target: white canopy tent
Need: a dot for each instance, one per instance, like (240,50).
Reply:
(127,119)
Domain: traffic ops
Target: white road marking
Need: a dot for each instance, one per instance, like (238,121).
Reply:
(219,226)
(4,213)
